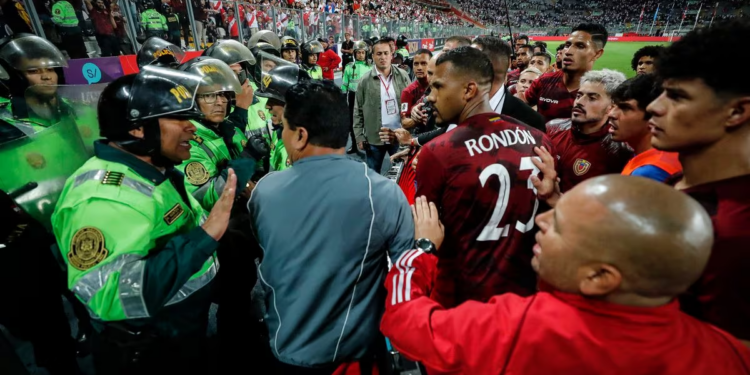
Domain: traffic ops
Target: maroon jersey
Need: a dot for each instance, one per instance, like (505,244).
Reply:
(479,176)
(721,295)
(410,97)
(550,96)
(583,156)
(513,77)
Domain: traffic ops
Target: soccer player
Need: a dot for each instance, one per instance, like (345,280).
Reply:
(583,143)
(479,174)
(455,42)
(413,93)
(705,117)
(559,57)
(613,256)
(523,57)
(541,61)
(628,121)
(521,40)
(554,93)
(644,59)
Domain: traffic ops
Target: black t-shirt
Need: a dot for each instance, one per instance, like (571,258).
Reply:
(347,45)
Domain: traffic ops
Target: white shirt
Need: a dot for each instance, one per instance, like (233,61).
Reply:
(497,101)
(388,121)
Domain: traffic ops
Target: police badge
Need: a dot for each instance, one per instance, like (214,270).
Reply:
(87,248)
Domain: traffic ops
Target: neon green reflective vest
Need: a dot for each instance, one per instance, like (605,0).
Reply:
(257,114)
(64,15)
(316,72)
(109,219)
(279,158)
(353,75)
(209,156)
(403,52)
(151,20)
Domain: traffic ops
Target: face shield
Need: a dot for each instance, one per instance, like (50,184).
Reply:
(32,52)
(162,92)
(267,62)
(265,36)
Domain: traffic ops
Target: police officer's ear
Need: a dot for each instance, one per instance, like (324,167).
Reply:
(138,133)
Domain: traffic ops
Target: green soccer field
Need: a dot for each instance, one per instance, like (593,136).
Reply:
(617,55)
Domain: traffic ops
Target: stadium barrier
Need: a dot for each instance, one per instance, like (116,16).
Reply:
(107,69)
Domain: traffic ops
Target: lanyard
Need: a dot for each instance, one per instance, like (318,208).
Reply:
(388,86)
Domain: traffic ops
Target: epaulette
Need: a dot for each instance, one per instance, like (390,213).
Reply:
(198,139)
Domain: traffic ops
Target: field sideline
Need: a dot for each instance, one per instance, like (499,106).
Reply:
(617,55)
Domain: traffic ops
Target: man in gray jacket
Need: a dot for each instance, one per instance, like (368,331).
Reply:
(326,227)
(377,105)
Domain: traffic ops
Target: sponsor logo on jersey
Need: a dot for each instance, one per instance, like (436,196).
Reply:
(547,100)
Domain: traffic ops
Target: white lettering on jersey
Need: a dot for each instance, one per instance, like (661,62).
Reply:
(503,138)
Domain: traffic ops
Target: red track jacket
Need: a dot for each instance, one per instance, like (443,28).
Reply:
(549,333)
(329,59)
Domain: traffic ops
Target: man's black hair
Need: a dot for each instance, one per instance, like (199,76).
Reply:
(545,55)
(523,37)
(688,58)
(424,51)
(381,41)
(651,51)
(496,49)
(329,128)
(598,33)
(387,39)
(560,47)
(527,46)
(462,41)
(643,88)
(469,61)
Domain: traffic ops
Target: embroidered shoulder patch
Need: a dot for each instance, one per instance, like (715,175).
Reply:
(196,173)
(87,248)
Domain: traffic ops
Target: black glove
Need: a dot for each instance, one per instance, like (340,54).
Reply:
(244,168)
(256,147)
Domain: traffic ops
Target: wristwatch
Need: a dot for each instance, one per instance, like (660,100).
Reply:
(425,245)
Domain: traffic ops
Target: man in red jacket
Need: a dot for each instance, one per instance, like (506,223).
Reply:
(611,257)
(328,60)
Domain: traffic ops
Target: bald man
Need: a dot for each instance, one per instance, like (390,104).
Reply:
(611,257)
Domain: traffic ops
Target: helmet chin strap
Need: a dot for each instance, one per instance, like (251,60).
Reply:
(149,145)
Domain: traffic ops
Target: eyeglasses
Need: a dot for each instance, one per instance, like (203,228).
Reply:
(211,98)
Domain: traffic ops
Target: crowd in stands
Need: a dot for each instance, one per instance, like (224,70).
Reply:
(542,13)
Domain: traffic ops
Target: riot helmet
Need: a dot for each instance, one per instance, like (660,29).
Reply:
(264,36)
(402,41)
(277,81)
(140,100)
(24,53)
(267,62)
(289,44)
(233,52)
(361,46)
(311,48)
(158,52)
(218,81)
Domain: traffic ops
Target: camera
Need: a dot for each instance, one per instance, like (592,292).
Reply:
(429,109)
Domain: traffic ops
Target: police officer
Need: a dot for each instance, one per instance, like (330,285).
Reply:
(173,25)
(71,35)
(140,253)
(158,52)
(33,310)
(310,53)
(34,67)
(350,82)
(219,143)
(289,49)
(153,22)
(275,84)
(401,43)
